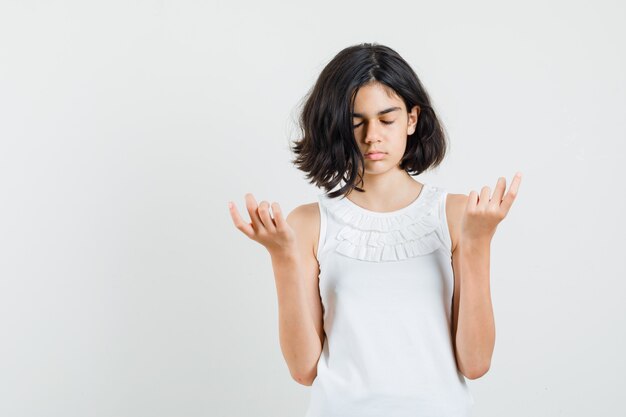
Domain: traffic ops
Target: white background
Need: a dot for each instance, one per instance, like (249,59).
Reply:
(127,126)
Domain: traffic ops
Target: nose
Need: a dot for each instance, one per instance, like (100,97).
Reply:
(372,133)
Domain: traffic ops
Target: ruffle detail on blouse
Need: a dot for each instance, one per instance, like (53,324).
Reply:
(410,233)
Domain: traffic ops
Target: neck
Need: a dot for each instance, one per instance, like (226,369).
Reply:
(388,192)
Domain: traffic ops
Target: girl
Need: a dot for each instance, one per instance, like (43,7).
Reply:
(383,283)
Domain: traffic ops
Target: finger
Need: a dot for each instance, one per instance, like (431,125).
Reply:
(281,224)
(472,201)
(483,199)
(240,223)
(509,198)
(498,192)
(264,214)
(251,206)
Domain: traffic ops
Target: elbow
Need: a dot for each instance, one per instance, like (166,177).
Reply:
(305,375)
(477,372)
(304,379)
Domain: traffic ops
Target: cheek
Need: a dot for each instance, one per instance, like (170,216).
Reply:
(400,143)
(398,130)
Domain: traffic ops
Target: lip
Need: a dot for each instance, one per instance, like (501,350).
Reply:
(375,155)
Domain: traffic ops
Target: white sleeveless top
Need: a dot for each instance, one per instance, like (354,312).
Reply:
(386,283)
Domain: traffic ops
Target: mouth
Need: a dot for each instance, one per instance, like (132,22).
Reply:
(375,155)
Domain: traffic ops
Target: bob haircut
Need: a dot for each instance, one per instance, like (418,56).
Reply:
(328,151)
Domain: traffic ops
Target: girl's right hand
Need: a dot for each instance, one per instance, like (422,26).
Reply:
(273,233)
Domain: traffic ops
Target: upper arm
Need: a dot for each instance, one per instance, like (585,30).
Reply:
(305,221)
(455,206)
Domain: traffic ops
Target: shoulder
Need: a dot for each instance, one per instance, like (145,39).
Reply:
(304,213)
(455,206)
(305,219)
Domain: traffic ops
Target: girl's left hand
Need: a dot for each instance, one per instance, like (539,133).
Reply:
(482,215)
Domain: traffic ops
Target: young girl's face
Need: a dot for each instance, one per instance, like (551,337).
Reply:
(381,123)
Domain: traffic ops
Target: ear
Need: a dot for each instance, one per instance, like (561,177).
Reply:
(412,122)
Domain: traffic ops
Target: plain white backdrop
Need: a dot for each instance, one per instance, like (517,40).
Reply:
(127,126)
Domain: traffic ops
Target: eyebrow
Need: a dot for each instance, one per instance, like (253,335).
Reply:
(390,109)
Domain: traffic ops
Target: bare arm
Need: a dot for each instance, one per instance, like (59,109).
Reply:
(290,244)
(475,220)
(300,341)
(474,327)
(299,305)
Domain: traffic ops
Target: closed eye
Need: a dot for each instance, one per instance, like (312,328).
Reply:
(382,121)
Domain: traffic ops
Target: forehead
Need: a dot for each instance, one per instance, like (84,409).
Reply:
(375,98)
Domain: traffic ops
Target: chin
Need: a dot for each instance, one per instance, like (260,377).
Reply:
(377,170)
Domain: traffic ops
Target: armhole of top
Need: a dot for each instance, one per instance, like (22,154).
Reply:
(445,230)
(322,232)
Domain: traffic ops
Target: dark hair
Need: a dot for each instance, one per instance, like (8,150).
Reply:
(328,151)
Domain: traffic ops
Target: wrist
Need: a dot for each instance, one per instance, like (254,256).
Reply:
(284,255)
(469,243)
